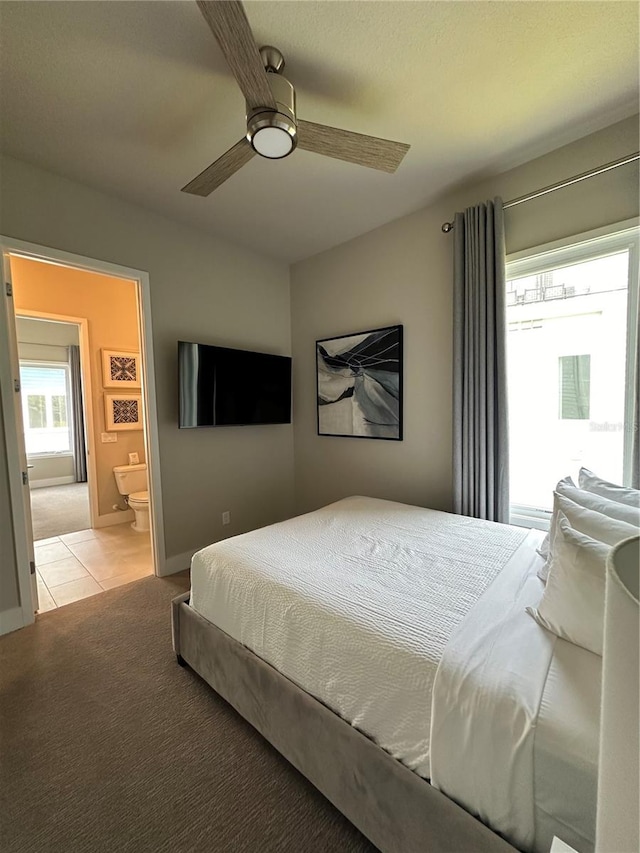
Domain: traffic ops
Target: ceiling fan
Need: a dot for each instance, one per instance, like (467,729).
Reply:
(273,129)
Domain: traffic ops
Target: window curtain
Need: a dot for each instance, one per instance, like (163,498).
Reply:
(79,447)
(480,439)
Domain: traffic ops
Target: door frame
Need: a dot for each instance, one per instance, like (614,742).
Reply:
(16,456)
(87,396)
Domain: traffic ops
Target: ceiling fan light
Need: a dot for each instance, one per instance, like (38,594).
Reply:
(272,134)
(272,142)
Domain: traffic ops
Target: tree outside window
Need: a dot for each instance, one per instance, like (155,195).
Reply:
(59,409)
(37,411)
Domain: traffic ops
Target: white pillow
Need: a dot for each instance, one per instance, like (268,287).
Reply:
(591,500)
(621,494)
(543,550)
(591,523)
(572,605)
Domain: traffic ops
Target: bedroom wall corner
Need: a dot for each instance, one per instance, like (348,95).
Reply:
(402,273)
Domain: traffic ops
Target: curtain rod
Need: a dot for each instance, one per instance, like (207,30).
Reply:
(631,158)
(54,346)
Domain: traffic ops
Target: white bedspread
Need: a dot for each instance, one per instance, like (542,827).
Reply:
(514,727)
(355,603)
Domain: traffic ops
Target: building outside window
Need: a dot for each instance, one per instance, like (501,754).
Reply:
(45,408)
(570,339)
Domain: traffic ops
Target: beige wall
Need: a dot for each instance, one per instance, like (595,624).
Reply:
(203,289)
(110,307)
(402,273)
(46,468)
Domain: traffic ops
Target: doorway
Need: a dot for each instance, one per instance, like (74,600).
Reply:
(86,406)
(53,398)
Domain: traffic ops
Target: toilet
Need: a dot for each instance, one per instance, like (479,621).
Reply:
(131,481)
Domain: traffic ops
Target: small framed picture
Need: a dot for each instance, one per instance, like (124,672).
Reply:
(122,411)
(120,369)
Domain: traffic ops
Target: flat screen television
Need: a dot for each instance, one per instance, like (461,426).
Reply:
(232,387)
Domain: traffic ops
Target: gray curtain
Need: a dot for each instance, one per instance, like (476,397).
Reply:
(480,439)
(79,447)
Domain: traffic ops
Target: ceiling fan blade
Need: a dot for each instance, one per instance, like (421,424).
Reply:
(367,151)
(217,173)
(228,22)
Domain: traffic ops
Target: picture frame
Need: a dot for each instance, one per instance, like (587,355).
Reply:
(121,369)
(359,384)
(123,412)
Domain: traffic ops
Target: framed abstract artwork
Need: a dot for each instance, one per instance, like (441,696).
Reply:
(122,411)
(120,369)
(359,384)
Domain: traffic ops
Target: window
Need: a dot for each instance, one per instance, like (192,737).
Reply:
(45,408)
(570,370)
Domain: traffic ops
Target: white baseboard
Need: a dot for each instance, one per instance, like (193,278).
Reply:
(112,518)
(52,481)
(11,620)
(178,563)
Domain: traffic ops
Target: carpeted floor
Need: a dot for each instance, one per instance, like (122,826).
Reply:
(109,745)
(60,509)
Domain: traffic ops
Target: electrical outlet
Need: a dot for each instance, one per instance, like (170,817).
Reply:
(109,437)
(226,518)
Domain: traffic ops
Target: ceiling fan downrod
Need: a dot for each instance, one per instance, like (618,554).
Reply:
(272,59)
(274,134)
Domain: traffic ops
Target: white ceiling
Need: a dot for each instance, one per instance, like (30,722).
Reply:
(135,99)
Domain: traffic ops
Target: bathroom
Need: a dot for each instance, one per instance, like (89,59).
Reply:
(78,335)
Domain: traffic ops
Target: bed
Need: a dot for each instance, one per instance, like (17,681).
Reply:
(385,651)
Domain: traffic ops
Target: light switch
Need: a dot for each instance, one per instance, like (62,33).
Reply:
(109,437)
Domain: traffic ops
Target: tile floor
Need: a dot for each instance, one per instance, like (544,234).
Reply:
(77,565)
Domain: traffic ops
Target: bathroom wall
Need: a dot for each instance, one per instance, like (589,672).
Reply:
(43,340)
(110,307)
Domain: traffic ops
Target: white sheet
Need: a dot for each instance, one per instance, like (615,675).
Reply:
(515,718)
(355,603)
(566,750)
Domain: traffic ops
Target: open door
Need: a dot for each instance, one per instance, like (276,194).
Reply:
(18,468)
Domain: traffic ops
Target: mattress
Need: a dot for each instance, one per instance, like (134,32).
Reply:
(355,603)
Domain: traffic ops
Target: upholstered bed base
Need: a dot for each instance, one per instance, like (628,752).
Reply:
(392,806)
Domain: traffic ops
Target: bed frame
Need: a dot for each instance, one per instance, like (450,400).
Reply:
(393,807)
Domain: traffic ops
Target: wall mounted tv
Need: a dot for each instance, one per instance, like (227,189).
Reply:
(232,387)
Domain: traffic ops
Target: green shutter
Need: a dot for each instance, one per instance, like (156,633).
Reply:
(575,387)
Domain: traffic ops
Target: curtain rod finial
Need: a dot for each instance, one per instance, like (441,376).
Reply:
(446,227)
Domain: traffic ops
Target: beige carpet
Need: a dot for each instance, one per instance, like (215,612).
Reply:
(60,509)
(109,745)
